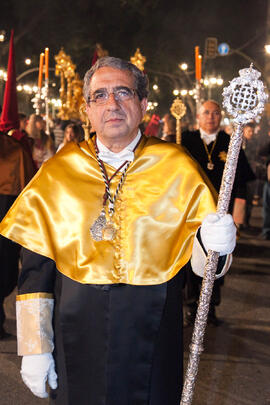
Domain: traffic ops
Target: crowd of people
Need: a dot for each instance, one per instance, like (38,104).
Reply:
(43,145)
(109,232)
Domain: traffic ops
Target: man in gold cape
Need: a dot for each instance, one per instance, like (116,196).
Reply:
(106,227)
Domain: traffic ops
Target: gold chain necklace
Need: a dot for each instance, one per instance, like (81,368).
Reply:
(210,164)
(103,229)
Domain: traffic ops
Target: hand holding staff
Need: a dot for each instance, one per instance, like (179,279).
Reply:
(244,99)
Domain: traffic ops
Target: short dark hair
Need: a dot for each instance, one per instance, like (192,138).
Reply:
(250,125)
(78,131)
(141,80)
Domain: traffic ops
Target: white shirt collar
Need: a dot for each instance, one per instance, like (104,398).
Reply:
(117,159)
(208,138)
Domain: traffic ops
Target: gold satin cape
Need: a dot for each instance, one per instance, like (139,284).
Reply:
(161,204)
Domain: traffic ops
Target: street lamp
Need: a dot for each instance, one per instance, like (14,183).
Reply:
(28,61)
(267,48)
(210,82)
(151,105)
(2,35)
(213,80)
(183,66)
(3,74)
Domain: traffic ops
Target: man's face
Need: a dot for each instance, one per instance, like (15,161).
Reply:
(69,135)
(41,125)
(209,117)
(248,132)
(115,120)
(23,123)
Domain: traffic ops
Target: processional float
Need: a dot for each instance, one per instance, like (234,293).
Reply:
(71,87)
(244,100)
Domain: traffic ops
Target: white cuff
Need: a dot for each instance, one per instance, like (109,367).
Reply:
(34,323)
(198,260)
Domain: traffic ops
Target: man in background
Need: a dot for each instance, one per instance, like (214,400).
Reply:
(208,146)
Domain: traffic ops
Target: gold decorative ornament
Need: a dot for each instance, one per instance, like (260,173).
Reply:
(210,164)
(85,120)
(138,60)
(71,93)
(178,110)
(223,156)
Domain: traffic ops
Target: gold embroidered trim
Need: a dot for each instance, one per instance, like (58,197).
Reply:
(32,296)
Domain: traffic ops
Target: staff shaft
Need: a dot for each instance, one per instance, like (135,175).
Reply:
(196,346)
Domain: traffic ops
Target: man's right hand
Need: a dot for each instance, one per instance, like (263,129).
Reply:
(36,370)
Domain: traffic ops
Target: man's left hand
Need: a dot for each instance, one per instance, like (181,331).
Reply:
(218,233)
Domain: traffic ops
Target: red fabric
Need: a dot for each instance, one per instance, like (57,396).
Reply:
(17,134)
(95,57)
(153,126)
(9,117)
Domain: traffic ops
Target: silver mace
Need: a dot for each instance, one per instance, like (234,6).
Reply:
(244,100)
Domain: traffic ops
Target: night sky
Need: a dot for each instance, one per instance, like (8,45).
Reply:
(165,31)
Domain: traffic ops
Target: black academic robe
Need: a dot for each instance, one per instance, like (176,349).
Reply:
(192,141)
(114,344)
(9,255)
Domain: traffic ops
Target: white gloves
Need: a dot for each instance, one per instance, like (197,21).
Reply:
(36,369)
(218,233)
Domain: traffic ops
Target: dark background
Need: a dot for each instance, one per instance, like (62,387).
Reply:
(165,31)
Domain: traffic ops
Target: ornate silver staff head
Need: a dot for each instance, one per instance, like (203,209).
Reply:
(245,97)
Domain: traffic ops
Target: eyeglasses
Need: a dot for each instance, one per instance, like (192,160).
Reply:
(214,113)
(120,94)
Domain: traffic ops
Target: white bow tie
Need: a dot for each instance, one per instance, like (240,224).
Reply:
(116,159)
(208,138)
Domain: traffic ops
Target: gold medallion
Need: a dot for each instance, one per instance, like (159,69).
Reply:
(97,227)
(109,231)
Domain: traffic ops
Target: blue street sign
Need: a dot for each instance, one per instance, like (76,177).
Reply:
(223,49)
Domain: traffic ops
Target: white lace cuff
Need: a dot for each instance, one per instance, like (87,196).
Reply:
(34,323)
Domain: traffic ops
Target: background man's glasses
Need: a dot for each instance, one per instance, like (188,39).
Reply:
(120,94)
